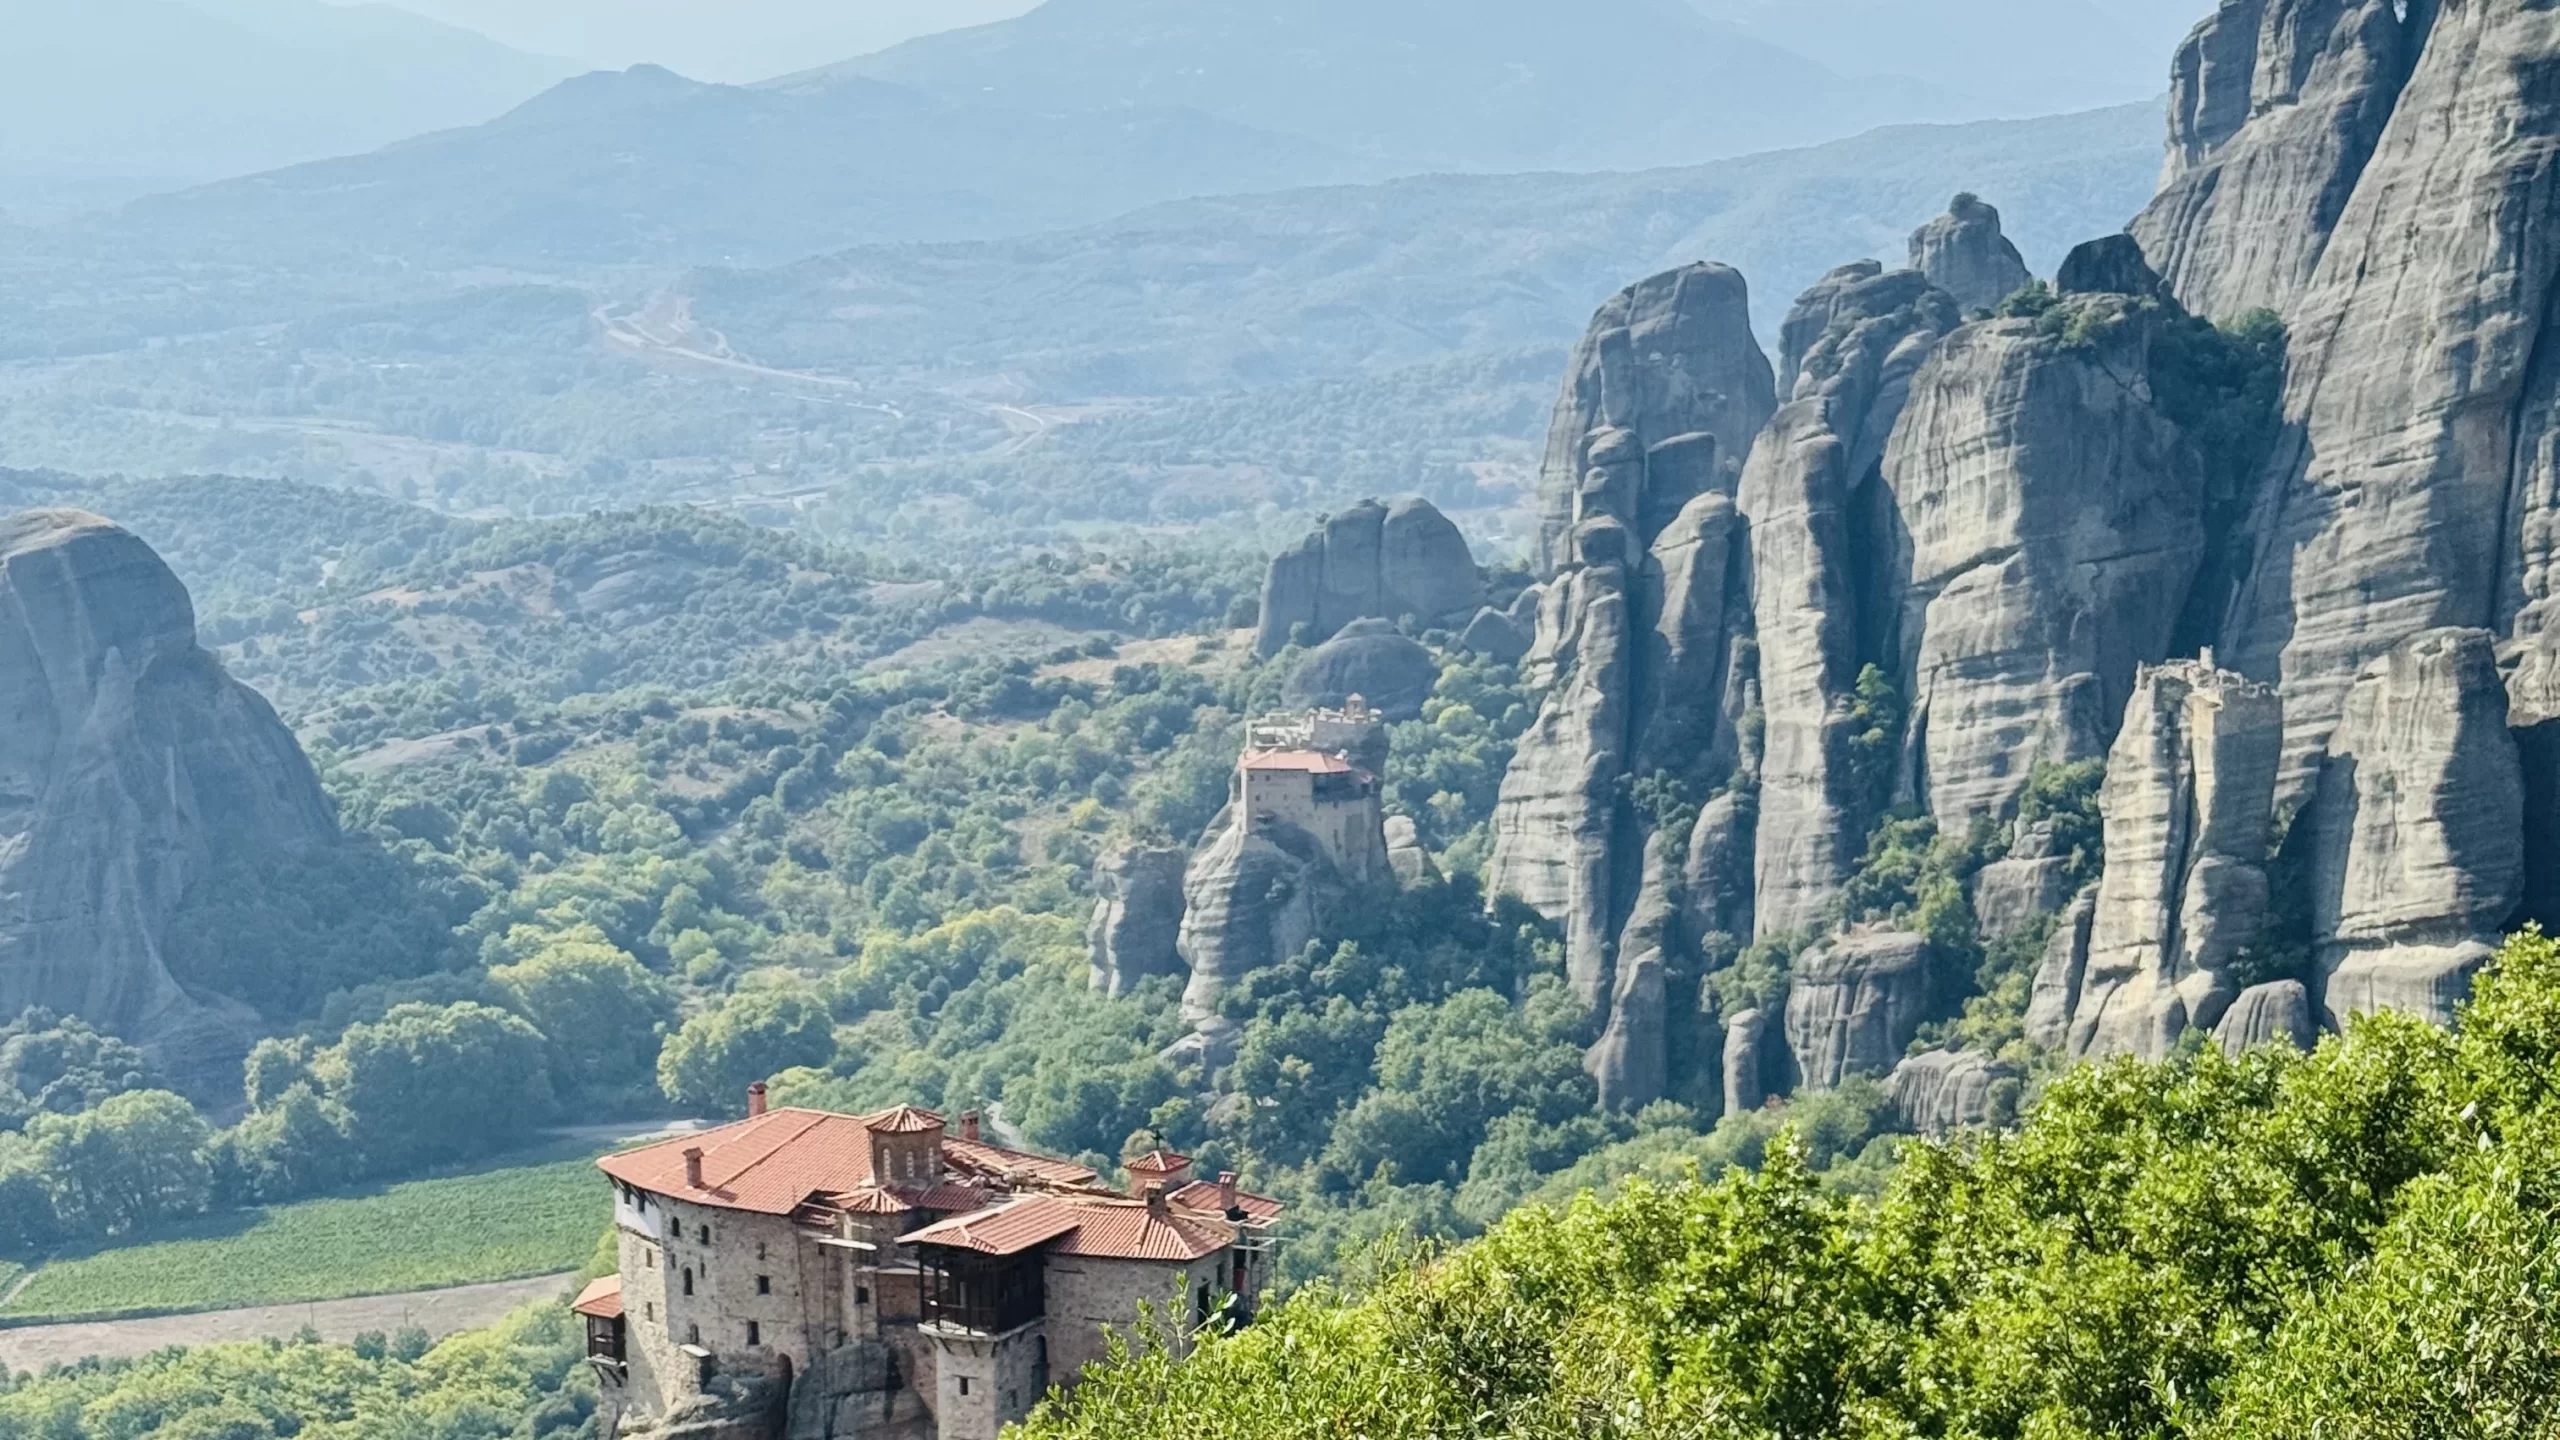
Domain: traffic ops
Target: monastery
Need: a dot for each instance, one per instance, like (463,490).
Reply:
(802,1275)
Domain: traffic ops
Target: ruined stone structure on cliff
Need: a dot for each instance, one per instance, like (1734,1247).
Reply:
(802,1275)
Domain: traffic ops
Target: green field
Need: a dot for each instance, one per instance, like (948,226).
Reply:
(504,1224)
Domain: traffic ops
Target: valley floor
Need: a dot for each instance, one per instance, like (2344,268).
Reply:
(438,1312)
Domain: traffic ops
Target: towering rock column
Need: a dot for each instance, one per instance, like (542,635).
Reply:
(2187,805)
(1963,253)
(2421,830)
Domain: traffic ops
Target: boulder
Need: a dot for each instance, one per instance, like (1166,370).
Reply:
(1940,1091)
(1854,1003)
(2109,265)
(2014,893)
(1824,573)
(1963,253)
(1664,361)
(2187,802)
(2420,829)
(1496,636)
(1137,916)
(1372,561)
(1407,856)
(2274,111)
(2279,1011)
(1746,1062)
(1368,658)
(1249,904)
(2055,525)
(129,760)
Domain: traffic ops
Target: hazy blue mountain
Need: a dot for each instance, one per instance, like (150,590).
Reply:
(1212,294)
(729,40)
(645,166)
(2005,57)
(126,93)
(1423,84)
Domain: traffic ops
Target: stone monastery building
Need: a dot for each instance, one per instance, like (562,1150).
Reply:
(802,1275)
(1305,771)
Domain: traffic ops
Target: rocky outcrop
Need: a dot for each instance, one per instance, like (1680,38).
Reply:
(1747,1056)
(1372,561)
(2016,891)
(1391,672)
(1941,1091)
(2414,492)
(1963,253)
(129,761)
(2110,265)
(1137,917)
(1631,1060)
(2278,1012)
(2420,830)
(1854,1002)
(2275,107)
(1823,588)
(1249,904)
(2061,974)
(2055,524)
(1407,856)
(862,1387)
(2188,798)
(1496,636)
(1665,363)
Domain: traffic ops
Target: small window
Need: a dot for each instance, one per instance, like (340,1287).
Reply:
(688,1279)
(964,1384)
(764,1284)
(652,1257)
(755,1334)
(760,1250)
(861,1294)
(649,1308)
(693,1334)
(706,1234)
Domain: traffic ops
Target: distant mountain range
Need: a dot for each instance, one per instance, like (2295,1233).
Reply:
(733,41)
(143,94)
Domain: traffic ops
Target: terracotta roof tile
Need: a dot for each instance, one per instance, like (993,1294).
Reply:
(1129,1230)
(1313,762)
(995,1160)
(768,1164)
(1005,1229)
(1203,1195)
(1157,1163)
(946,1197)
(904,1120)
(601,1299)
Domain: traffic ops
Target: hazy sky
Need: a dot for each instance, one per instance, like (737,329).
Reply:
(712,39)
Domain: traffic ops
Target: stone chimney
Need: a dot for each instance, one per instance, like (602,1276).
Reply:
(1227,1191)
(1157,1205)
(969,1125)
(693,1167)
(755,1099)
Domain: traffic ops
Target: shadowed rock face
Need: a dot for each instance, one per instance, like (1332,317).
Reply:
(1963,253)
(128,760)
(1854,1004)
(1137,917)
(1946,1090)
(1390,671)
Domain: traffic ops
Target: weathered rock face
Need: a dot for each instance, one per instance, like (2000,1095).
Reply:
(1665,363)
(2055,526)
(2062,974)
(128,760)
(1137,917)
(1963,253)
(1249,904)
(1854,1004)
(2189,792)
(2016,891)
(2276,1012)
(1407,856)
(1747,1061)
(2415,491)
(1372,561)
(2420,830)
(1940,1091)
(2109,265)
(1823,583)
(2274,111)
(1631,1060)
(1390,671)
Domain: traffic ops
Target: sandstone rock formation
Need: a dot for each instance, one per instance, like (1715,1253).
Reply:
(1371,561)
(128,761)
(1823,595)
(2188,798)
(2420,830)
(1854,1003)
(1664,363)
(2109,265)
(2278,1011)
(1939,1091)
(1407,856)
(1747,1054)
(2016,891)
(1249,904)
(2055,526)
(1392,672)
(2061,974)
(2275,107)
(1963,253)
(1137,917)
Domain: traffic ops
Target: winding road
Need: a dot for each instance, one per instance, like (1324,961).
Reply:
(438,1312)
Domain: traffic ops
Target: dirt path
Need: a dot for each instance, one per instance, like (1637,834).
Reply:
(438,1312)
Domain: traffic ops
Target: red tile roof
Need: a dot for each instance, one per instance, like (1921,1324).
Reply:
(996,1161)
(601,1299)
(1005,1229)
(1203,1195)
(905,1120)
(1157,1163)
(1129,1230)
(1314,762)
(768,1164)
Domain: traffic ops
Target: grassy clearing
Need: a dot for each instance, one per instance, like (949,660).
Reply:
(504,1224)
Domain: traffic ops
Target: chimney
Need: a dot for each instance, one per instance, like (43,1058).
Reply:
(755,1098)
(693,1167)
(969,1125)
(1227,1191)
(1157,1205)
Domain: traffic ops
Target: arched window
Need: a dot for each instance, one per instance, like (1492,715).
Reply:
(688,1279)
